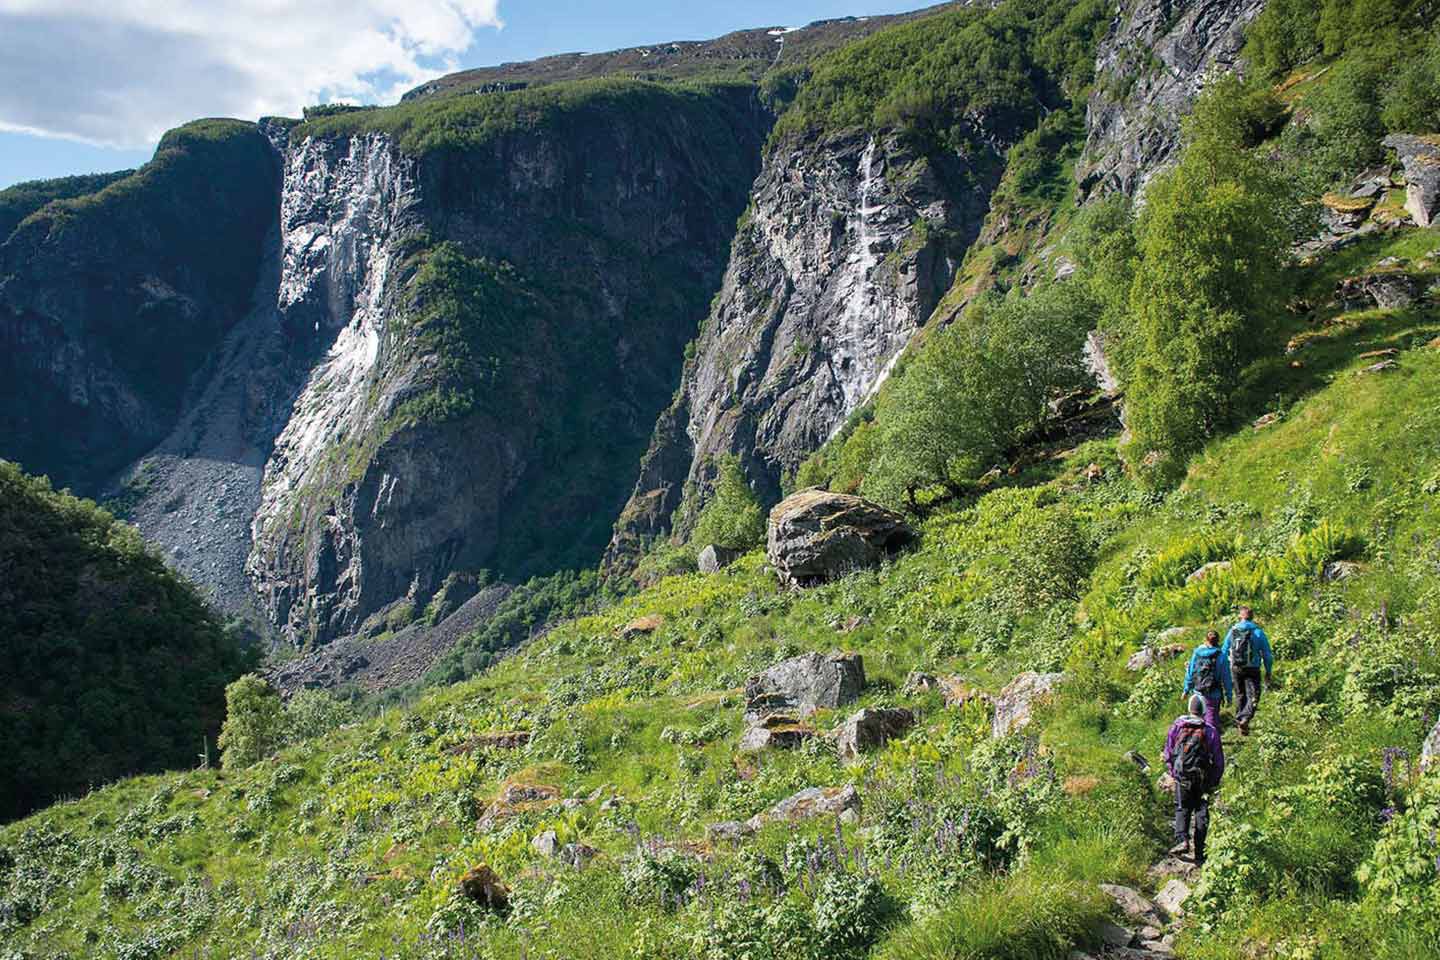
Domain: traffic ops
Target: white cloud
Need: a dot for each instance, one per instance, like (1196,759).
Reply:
(120,73)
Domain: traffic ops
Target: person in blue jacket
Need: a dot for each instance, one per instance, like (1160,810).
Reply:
(1247,649)
(1209,675)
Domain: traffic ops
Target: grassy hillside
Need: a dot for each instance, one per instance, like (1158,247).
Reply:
(112,663)
(353,842)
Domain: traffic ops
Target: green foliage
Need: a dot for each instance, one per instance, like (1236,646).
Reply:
(113,664)
(254,722)
(1411,104)
(1288,33)
(23,199)
(1284,35)
(976,388)
(525,610)
(732,517)
(1212,242)
(935,75)
(1403,876)
(314,713)
(468,123)
(471,315)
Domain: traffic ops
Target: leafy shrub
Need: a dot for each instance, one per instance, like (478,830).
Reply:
(1213,239)
(733,517)
(254,722)
(314,713)
(661,877)
(974,389)
(849,912)
(1403,875)
(1411,104)
(1385,675)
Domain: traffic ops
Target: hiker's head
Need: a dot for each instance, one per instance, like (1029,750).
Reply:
(1197,705)
(1213,638)
(1246,613)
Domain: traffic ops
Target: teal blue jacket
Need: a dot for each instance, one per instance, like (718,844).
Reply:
(1259,646)
(1226,682)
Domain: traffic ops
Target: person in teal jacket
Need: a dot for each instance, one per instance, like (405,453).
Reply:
(1247,650)
(1209,675)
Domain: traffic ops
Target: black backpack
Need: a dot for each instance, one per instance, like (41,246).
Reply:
(1241,645)
(1192,757)
(1207,674)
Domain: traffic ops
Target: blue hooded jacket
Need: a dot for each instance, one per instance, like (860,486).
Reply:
(1226,681)
(1259,644)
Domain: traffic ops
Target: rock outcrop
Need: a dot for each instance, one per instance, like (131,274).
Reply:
(714,558)
(111,303)
(1016,702)
(1149,70)
(871,728)
(815,536)
(802,685)
(397,468)
(1430,750)
(850,242)
(1420,156)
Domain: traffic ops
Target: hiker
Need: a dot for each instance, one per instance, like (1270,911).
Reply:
(1209,675)
(1247,649)
(1196,762)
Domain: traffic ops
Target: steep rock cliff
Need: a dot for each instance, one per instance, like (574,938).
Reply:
(110,303)
(500,324)
(1149,70)
(850,241)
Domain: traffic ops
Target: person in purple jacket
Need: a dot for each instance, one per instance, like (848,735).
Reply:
(1196,762)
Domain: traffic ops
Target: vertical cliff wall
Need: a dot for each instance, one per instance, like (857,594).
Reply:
(499,327)
(111,303)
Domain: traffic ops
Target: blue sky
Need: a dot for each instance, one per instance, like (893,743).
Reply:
(87,87)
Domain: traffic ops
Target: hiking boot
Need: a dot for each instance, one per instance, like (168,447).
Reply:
(1244,727)
(1180,850)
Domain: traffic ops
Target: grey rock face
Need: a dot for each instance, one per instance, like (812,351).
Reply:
(801,685)
(1421,158)
(715,558)
(111,305)
(814,536)
(1017,700)
(364,505)
(849,244)
(1149,70)
(871,728)
(1389,290)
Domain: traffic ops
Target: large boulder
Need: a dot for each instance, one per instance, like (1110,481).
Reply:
(481,885)
(1421,158)
(1016,701)
(715,558)
(801,685)
(1387,289)
(815,536)
(870,728)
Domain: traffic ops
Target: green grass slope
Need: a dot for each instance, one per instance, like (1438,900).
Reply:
(353,843)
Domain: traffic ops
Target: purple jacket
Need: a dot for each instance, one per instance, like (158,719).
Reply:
(1212,740)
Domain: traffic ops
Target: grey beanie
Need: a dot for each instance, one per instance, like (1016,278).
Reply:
(1197,705)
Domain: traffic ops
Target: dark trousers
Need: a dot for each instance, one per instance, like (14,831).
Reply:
(1247,693)
(1192,809)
